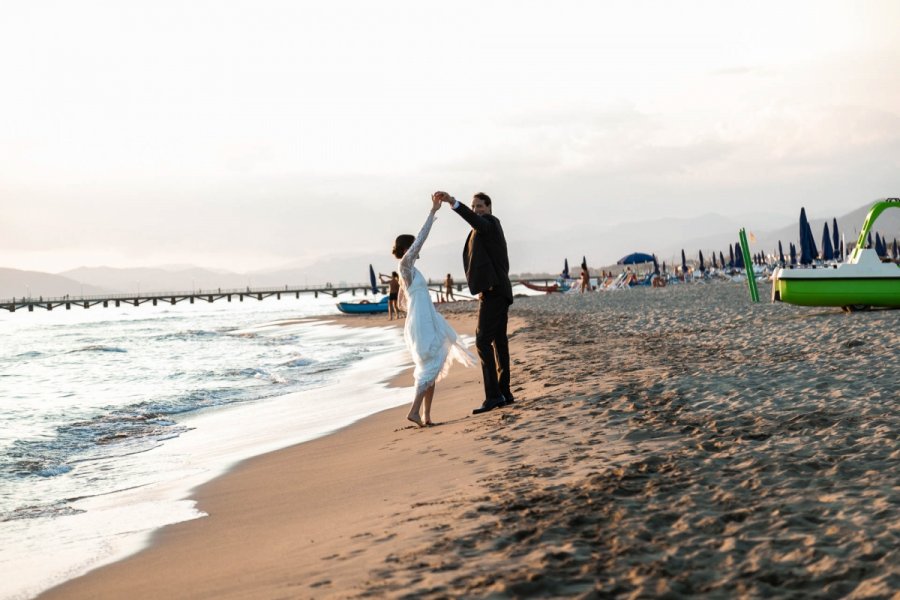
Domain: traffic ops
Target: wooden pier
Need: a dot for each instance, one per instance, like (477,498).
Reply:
(171,298)
(232,295)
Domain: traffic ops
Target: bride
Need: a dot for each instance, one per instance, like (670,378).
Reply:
(431,341)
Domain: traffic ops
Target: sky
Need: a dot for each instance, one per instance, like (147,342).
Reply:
(251,135)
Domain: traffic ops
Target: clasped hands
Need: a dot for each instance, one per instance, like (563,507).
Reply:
(438,197)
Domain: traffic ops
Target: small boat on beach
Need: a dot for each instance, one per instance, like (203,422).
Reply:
(364,307)
(863,281)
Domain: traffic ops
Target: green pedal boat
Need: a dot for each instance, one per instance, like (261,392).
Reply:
(863,281)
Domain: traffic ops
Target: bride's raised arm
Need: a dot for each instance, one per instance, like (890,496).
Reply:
(409,259)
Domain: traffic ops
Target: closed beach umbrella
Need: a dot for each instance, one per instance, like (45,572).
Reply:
(780,253)
(869,242)
(565,272)
(896,250)
(721,259)
(655,266)
(806,250)
(738,257)
(372,280)
(880,248)
(835,239)
(804,258)
(730,257)
(827,248)
(813,249)
(715,265)
(664,266)
(793,253)
(702,266)
(683,262)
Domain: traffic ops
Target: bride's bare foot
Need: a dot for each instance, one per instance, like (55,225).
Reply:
(415,419)
(429,423)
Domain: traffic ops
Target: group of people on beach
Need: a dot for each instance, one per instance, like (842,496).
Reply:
(432,342)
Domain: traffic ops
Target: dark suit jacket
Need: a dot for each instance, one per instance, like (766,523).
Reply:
(485,257)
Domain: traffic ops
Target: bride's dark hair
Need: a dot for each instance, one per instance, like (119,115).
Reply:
(402,244)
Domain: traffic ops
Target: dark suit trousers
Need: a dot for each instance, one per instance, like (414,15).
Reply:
(493,345)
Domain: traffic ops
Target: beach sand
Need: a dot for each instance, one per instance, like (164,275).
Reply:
(665,442)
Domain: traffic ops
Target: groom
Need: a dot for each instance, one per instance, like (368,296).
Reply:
(487,273)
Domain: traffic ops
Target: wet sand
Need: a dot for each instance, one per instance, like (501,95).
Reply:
(668,442)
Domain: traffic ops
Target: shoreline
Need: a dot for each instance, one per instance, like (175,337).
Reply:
(313,460)
(108,528)
(664,442)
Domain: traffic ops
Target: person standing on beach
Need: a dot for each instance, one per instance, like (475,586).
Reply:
(393,293)
(434,345)
(585,280)
(486,264)
(448,285)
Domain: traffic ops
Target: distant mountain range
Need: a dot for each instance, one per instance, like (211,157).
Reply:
(601,247)
(20,284)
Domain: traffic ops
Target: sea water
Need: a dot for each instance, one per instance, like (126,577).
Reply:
(109,417)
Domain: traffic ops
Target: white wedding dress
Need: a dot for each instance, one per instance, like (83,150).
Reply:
(434,345)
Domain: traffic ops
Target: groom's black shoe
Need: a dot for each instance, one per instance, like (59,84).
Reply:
(508,399)
(490,405)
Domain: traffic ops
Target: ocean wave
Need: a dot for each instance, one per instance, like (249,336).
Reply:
(98,348)
(56,509)
(54,470)
(298,362)
(189,334)
(84,439)
(191,401)
(29,354)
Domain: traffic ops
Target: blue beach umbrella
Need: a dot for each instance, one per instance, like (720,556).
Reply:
(738,257)
(869,241)
(879,245)
(813,249)
(655,266)
(683,262)
(715,265)
(372,280)
(835,239)
(806,250)
(730,256)
(780,253)
(896,250)
(635,258)
(827,248)
(702,265)
(721,259)
(565,272)
(793,253)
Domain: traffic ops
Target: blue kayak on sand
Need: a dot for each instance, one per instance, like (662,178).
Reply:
(364,307)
